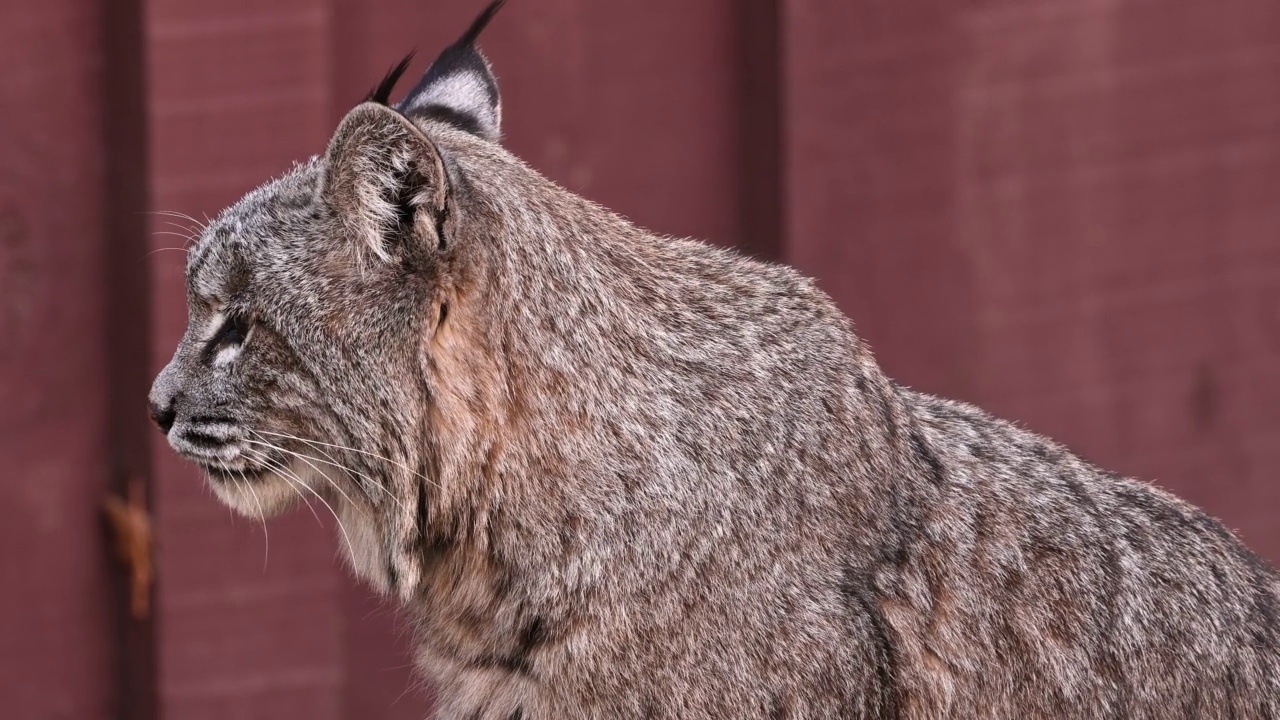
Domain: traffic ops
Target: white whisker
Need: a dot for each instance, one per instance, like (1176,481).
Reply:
(193,231)
(180,216)
(284,472)
(153,252)
(402,466)
(186,230)
(306,459)
(319,447)
(262,516)
(308,488)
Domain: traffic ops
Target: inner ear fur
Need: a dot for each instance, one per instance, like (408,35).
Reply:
(383,176)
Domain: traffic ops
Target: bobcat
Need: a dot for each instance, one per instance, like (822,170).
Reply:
(613,475)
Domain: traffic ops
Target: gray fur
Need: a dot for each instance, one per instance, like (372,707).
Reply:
(612,474)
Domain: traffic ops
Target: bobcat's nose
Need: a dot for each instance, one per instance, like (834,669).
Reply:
(163,398)
(163,416)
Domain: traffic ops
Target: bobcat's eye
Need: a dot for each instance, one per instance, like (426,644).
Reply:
(229,335)
(233,330)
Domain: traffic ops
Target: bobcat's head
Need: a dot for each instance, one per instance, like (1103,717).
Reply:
(320,312)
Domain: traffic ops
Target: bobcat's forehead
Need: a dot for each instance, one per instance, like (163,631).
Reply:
(268,226)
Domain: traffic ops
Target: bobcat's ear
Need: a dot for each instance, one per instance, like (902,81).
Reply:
(459,87)
(385,180)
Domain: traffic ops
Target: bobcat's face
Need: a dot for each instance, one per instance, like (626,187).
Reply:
(314,305)
(290,330)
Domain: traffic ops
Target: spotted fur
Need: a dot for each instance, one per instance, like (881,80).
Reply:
(617,475)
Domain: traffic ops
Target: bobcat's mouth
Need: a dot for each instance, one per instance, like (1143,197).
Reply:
(222,449)
(243,473)
(252,466)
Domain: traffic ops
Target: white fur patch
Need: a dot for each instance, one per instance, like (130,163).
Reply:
(215,323)
(466,94)
(226,355)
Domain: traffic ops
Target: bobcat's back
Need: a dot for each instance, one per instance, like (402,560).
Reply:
(1041,586)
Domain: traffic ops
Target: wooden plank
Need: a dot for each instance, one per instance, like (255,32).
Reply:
(57,649)
(761,194)
(127,344)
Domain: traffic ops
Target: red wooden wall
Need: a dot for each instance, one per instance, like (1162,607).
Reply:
(1065,210)
(56,631)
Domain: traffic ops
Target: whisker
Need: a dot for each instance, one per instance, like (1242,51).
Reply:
(182,249)
(402,466)
(173,233)
(295,482)
(368,481)
(306,459)
(180,216)
(262,516)
(194,230)
(308,488)
(184,228)
(284,472)
(318,446)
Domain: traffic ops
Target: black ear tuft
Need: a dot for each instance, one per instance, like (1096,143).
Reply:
(382,93)
(478,25)
(459,88)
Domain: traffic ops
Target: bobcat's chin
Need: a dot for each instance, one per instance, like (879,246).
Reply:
(256,492)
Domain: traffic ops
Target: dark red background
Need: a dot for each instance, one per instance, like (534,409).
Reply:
(1065,210)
